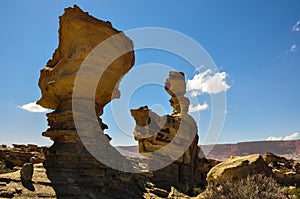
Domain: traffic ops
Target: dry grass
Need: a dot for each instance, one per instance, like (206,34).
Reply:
(253,187)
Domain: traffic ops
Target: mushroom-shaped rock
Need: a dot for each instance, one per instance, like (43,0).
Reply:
(92,51)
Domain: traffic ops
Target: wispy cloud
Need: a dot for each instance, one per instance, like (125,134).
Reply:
(201,67)
(33,107)
(296,27)
(293,48)
(199,107)
(288,137)
(208,82)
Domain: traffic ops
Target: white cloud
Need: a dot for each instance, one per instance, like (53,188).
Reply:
(199,107)
(33,107)
(208,82)
(296,27)
(293,48)
(288,137)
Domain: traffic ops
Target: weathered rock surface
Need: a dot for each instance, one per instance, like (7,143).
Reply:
(154,133)
(79,34)
(286,172)
(238,167)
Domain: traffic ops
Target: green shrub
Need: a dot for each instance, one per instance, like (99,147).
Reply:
(253,187)
(294,192)
(190,190)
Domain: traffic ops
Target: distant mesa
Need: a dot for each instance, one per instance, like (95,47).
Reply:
(289,148)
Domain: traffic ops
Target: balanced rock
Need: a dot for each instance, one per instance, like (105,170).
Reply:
(172,137)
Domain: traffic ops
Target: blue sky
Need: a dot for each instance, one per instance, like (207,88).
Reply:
(255,43)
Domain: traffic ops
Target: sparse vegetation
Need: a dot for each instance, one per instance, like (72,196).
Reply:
(294,193)
(253,187)
(190,190)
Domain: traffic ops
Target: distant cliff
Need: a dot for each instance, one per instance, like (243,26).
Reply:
(287,148)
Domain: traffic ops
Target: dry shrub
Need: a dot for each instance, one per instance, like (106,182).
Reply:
(257,186)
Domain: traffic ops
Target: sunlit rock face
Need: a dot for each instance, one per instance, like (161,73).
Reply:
(154,133)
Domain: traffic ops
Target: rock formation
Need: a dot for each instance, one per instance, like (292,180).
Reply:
(286,172)
(238,167)
(79,80)
(73,171)
(177,131)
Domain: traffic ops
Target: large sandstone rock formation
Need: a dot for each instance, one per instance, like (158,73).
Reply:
(171,138)
(73,171)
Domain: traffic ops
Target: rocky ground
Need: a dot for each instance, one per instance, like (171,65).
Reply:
(11,185)
(285,171)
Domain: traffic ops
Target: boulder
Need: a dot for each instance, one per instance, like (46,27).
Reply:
(37,159)
(27,172)
(238,167)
